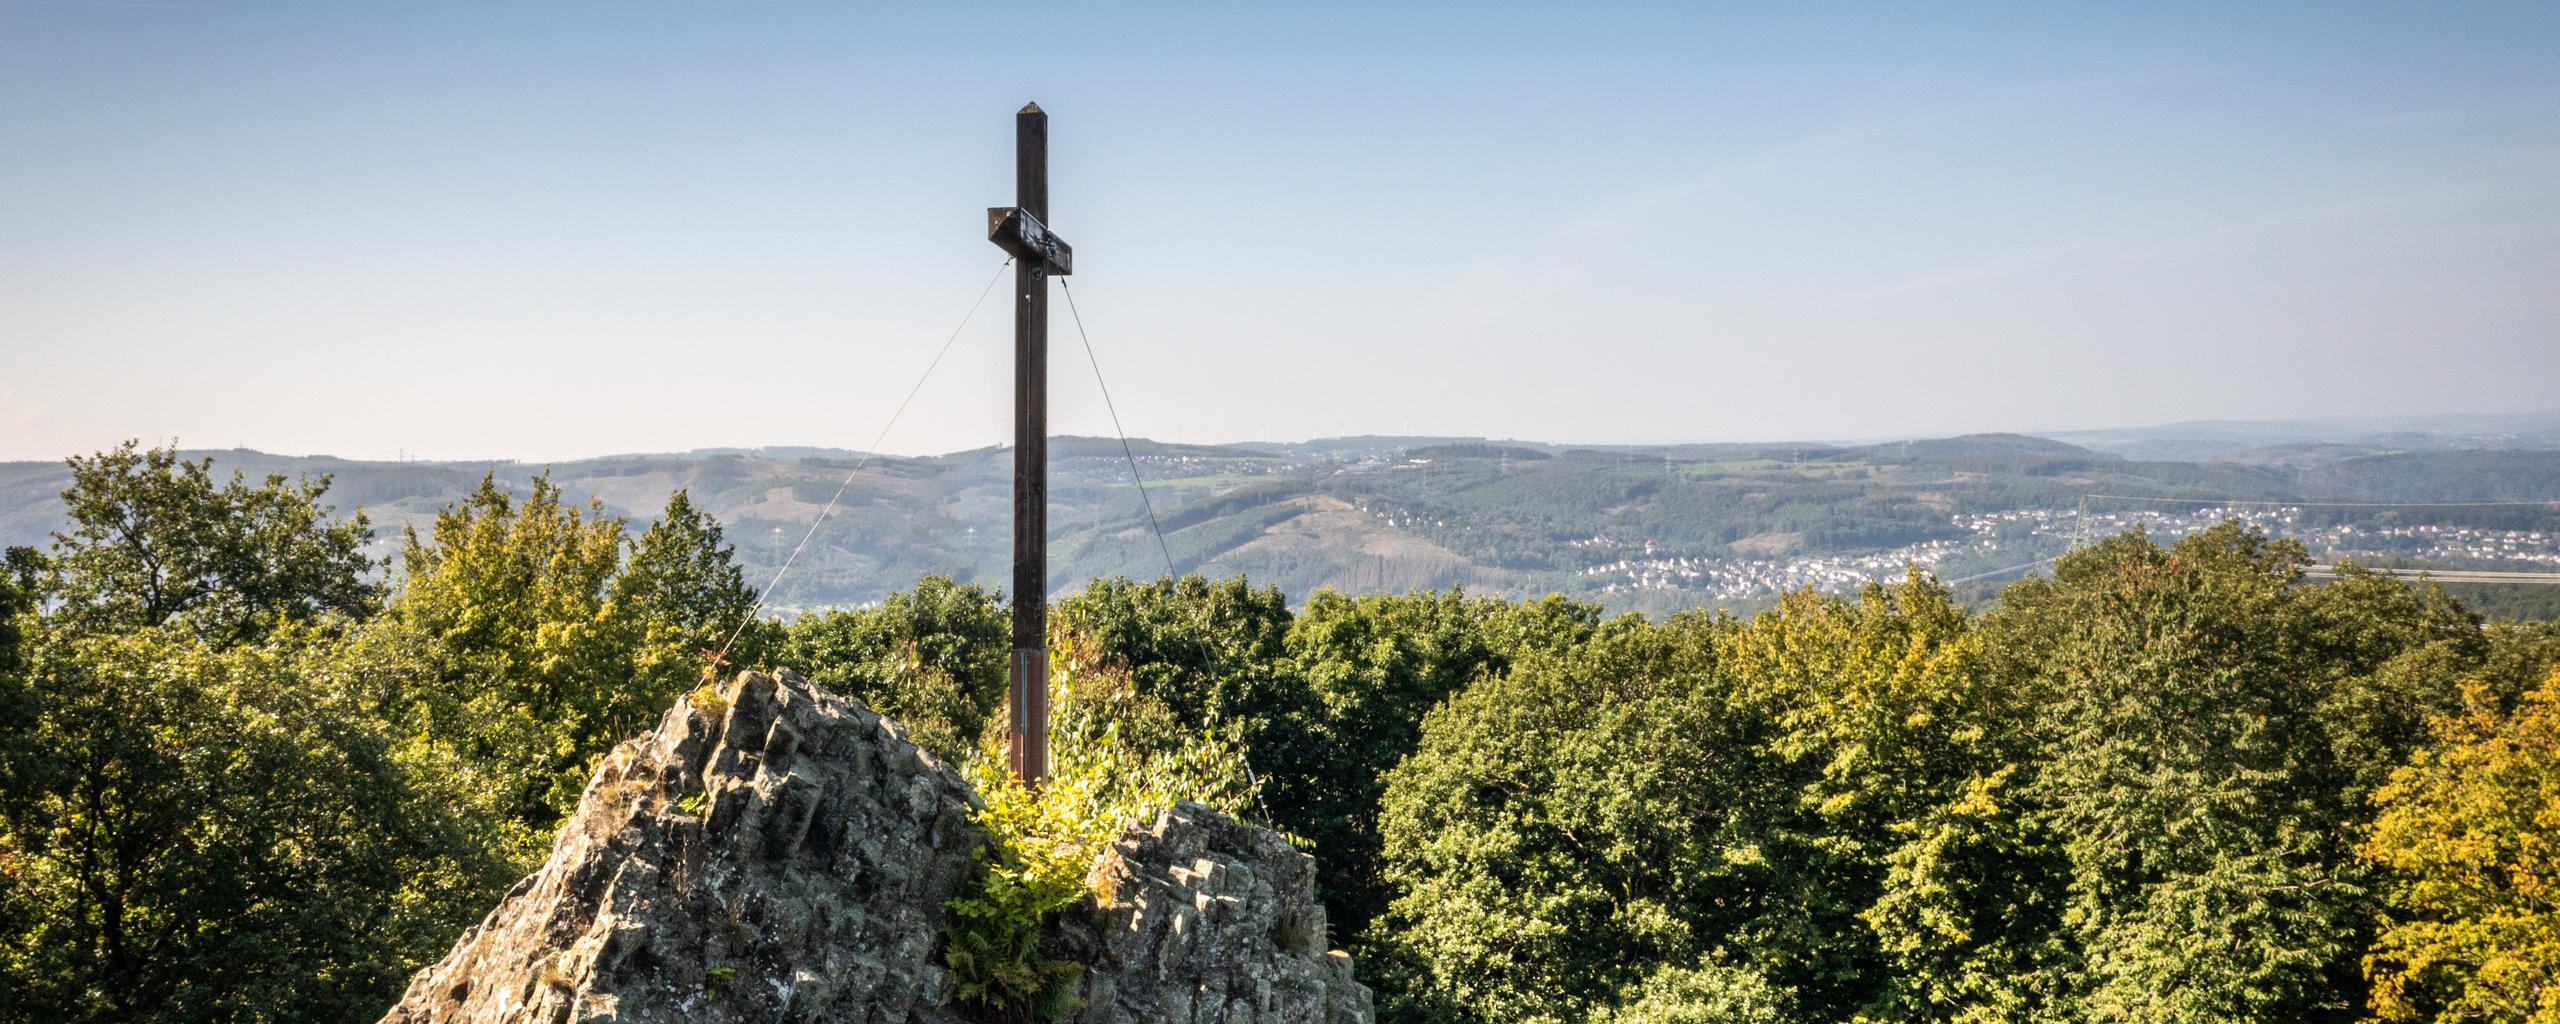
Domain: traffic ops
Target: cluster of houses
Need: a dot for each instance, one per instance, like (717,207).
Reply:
(2023,535)
(1733,579)
(1114,466)
(2468,547)
(2506,548)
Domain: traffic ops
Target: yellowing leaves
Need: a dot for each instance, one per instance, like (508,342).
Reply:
(2471,831)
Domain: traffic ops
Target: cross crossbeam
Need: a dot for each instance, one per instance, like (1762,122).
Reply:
(1016,231)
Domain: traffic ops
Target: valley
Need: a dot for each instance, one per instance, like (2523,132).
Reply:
(1651,528)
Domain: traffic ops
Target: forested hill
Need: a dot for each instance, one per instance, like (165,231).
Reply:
(1649,528)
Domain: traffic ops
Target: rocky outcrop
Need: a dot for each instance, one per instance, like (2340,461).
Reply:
(1205,920)
(769,853)
(774,852)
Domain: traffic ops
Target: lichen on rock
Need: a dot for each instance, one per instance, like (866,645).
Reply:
(785,859)
(775,852)
(1205,920)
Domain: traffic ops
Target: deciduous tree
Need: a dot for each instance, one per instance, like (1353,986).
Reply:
(934,658)
(192,833)
(155,541)
(2470,829)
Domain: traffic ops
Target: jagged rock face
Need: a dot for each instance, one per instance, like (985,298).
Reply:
(779,853)
(784,856)
(1205,920)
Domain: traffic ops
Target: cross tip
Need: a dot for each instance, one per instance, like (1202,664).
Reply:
(1030,108)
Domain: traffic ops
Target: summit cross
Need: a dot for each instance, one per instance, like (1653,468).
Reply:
(1022,231)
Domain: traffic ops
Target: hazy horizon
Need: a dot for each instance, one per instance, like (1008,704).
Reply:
(556,231)
(2304,425)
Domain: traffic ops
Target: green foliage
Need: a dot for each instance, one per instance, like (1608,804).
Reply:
(1967,917)
(683,591)
(1372,667)
(180,744)
(1741,792)
(523,643)
(2209,733)
(1206,649)
(509,652)
(2130,793)
(933,658)
(15,603)
(2471,832)
(190,833)
(2520,656)
(154,542)
(1118,758)
(1567,825)
(1888,729)
(2169,784)
(225,794)
(1710,992)
(993,946)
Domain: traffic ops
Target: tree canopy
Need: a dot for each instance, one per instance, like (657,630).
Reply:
(2172,782)
(2470,829)
(934,658)
(154,541)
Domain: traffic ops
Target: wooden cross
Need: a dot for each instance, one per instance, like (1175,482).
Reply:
(1019,230)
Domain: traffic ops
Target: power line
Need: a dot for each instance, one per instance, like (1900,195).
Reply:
(1107,404)
(2002,571)
(2441,575)
(2555,503)
(867,455)
(1208,654)
(2323,571)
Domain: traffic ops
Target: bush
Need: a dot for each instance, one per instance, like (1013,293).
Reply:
(933,658)
(199,834)
(1711,992)
(1118,758)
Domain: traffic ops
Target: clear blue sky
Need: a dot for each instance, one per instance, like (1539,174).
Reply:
(549,230)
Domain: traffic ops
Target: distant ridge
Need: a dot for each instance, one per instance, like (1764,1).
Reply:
(1974,444)
(2245,440)
(1635,527)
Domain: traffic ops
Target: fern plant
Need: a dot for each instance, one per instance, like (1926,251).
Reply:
(1118,758)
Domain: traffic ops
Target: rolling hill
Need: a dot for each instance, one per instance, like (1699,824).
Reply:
(1647,528)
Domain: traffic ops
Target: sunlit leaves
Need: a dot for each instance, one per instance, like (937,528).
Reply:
(155,541)
(2471,831)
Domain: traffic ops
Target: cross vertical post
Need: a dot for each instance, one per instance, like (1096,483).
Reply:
(1020,231)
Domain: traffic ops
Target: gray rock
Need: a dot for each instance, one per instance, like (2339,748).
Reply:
(779,853)
(785,855)
(1206,920)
